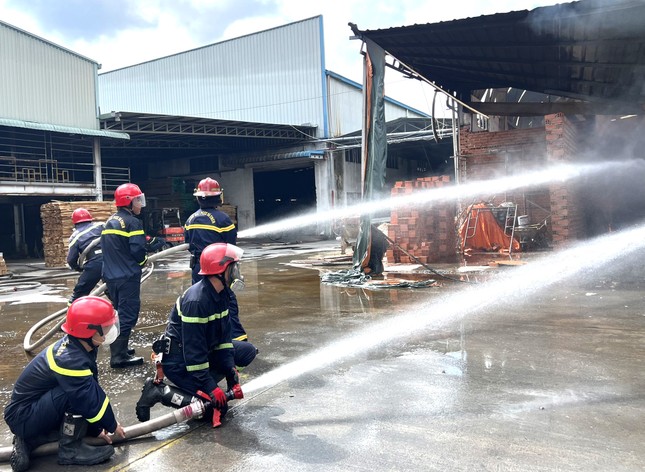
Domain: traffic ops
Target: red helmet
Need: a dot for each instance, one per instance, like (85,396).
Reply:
(80,215)
(208,188)
(217,257)
(87,315)
(125,193)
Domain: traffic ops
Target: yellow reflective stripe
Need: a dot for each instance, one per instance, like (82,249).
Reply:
(224,346)
(71,243)
(202,319)
(118,232)
(241,338)
(211,228)
(193,368)
(101,412)
(62,371)
(143,262)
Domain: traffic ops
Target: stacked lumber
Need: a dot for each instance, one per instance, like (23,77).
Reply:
(57,226)
(426,232)
(230,210)
(3,265)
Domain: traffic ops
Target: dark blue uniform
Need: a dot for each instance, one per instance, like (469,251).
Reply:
(84,234)
(62,378)
(201,351)
(124,254)
(244,351)
(205,227)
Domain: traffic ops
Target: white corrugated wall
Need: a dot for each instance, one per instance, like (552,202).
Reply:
(44,83)
(346,107)
(274,76)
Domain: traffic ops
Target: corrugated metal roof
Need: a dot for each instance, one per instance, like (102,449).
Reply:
(591,50)
(62,129)
(274,76)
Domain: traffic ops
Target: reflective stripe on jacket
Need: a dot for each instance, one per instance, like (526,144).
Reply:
(208,226)
(68,365)
(199,321)
(82,236)
(124,246)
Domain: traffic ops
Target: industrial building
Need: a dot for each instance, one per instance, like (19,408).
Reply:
(50,138)
(260,113)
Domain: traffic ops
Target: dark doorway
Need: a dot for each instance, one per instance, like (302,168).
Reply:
(283,193)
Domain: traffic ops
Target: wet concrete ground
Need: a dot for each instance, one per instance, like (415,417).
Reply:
(543,382)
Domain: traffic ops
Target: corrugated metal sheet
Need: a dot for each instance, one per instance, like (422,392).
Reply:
(47,84)
(274,76)
(346,106)
(62,129)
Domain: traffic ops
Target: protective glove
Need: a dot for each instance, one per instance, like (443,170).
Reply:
(218,400)
(232,379)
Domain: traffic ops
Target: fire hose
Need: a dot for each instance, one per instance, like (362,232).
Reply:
(195,410)
(30,345)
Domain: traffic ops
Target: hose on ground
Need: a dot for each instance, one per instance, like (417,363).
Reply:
(29,345)
(194,410)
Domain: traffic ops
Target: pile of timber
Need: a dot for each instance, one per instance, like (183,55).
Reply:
(230,210)
(57,226)
(3,265)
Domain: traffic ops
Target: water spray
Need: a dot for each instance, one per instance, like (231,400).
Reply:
(552,174)
(522,280)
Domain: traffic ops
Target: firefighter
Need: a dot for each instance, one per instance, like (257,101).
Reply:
(207,225)
(124,255)
(84,254)
(197,349)
(59,389)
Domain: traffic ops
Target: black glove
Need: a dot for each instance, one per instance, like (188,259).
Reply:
(232,379)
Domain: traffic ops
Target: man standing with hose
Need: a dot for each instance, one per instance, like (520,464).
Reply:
(84,254)
(124,255)
(207,226)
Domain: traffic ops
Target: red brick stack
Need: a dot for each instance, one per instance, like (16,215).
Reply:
(427,232)
(566,210)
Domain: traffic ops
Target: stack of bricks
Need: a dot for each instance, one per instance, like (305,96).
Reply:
(427,231)
(57,226)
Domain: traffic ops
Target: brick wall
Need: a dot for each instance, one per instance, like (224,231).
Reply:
(567,219)
(486,156)
(427,232)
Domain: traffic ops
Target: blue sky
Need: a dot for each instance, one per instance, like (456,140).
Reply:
(119,33)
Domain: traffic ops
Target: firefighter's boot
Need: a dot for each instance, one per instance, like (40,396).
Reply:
(71,447)
(151,394)
(119,356)
(19,455)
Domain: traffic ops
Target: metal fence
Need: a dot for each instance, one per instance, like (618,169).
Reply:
(51,171)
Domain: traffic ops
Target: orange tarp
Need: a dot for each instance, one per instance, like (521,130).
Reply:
(487,234)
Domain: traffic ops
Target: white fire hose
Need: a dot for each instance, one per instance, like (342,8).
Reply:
(29,345)
(194,410)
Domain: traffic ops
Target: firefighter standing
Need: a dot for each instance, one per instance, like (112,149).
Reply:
(84,254)
(124,255)
(59,388)
(207,225)
(197,346)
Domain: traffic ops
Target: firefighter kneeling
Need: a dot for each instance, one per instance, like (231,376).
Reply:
(196,349)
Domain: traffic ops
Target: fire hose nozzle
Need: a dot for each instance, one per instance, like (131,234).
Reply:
(235,393)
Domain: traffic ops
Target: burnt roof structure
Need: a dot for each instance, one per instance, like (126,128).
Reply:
(590,50)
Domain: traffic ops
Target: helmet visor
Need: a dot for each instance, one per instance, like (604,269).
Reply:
(109,330)
(139,200)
